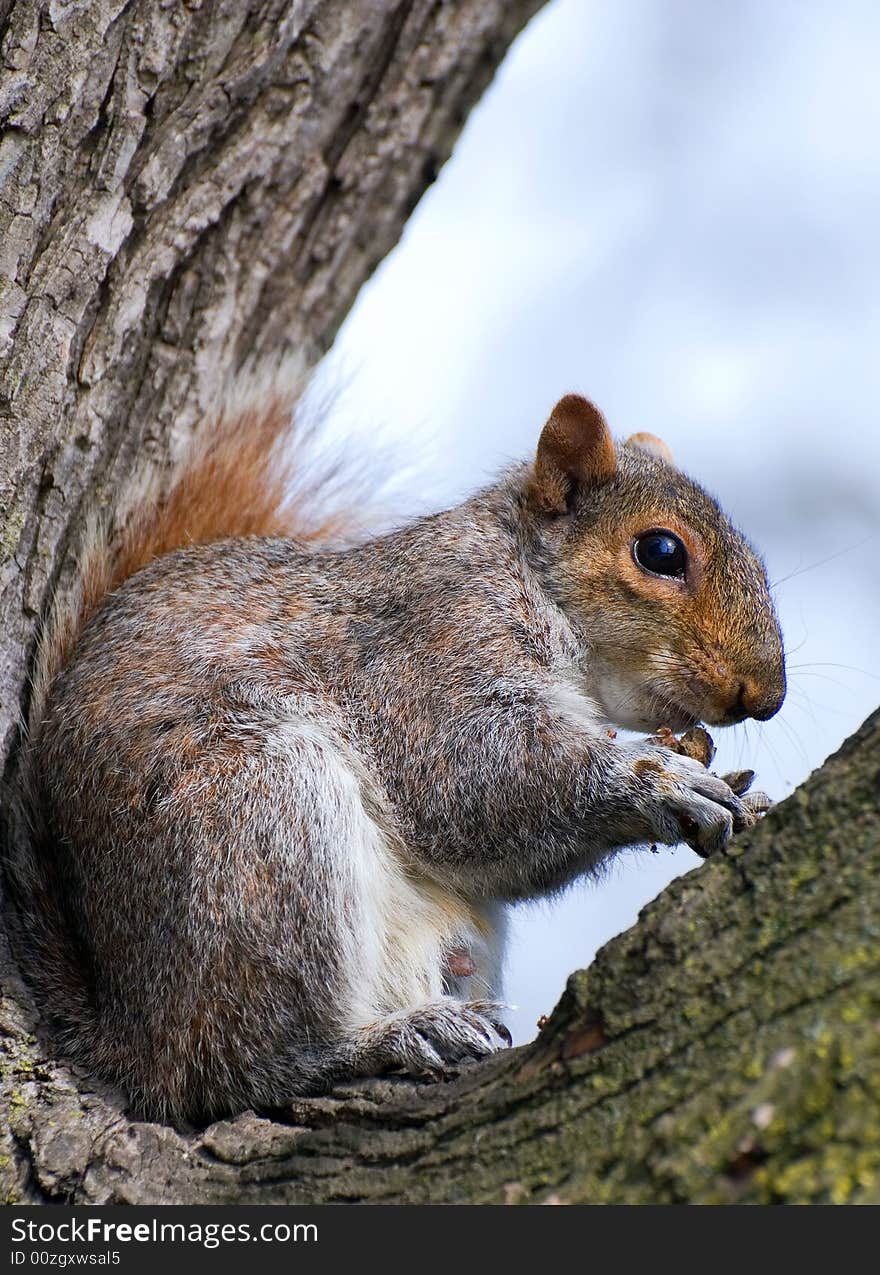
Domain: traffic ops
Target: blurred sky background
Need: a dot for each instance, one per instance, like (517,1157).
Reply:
(673,207)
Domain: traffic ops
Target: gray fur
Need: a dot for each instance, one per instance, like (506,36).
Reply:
(274,788)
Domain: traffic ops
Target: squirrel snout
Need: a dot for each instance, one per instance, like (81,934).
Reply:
(758,699)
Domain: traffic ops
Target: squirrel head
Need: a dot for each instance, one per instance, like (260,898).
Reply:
(672,600)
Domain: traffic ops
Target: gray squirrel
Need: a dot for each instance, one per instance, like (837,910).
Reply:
(280,793)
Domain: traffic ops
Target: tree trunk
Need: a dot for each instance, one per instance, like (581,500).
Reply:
(186,188)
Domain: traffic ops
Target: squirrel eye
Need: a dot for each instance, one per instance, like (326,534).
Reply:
(661,553)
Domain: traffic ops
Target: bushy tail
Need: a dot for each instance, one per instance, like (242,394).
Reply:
(257,471)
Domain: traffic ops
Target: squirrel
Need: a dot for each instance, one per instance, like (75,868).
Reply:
(281,791)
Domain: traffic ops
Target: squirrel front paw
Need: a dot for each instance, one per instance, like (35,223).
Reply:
(681,801)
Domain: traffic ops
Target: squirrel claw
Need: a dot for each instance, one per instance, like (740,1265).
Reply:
(504,1032)
(757,803)
(740,781)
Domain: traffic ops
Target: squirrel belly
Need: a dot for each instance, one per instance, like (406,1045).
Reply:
(281,792)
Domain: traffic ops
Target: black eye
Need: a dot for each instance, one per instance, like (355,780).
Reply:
(661,553)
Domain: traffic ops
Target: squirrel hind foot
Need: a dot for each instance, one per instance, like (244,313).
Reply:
(426,1041)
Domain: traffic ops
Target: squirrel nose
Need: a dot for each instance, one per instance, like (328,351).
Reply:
(759,700)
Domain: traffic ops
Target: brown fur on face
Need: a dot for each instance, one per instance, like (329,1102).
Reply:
(668,651)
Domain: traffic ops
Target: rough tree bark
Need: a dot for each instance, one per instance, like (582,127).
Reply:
(184,187)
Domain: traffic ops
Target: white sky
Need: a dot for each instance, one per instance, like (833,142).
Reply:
(673,208)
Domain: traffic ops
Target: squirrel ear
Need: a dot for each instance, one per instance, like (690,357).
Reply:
(575,450)
(651,444)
